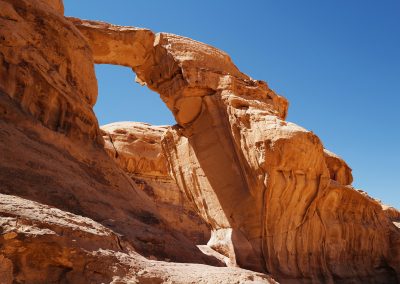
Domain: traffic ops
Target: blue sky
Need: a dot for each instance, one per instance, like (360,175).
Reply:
(337,62)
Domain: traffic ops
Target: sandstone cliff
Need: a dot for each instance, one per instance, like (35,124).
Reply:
(275,200)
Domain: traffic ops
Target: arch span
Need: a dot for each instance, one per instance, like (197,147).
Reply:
(262,183)
(183,71)
(199,84)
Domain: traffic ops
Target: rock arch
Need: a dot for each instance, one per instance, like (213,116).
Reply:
(263,184)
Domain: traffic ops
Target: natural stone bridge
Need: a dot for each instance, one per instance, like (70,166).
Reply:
(276,200)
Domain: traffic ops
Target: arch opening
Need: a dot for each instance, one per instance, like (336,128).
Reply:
(120,98)
(133,119)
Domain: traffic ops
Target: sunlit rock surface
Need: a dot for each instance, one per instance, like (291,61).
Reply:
(276,200)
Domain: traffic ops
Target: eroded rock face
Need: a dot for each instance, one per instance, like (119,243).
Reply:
(50,143)
(43,74)
(58,5)
(338,169)
(275,199)
(136,147)
(42,244)
(302,215)
(392,213)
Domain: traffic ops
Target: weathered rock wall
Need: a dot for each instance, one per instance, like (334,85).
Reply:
(52,81)
(338,169)
(313,227)
(50,142)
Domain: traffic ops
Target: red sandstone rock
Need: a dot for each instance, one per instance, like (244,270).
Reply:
(52,81)
(392,213)
(183,71)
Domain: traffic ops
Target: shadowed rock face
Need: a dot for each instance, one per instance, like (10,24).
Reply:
(136,147)
(276,201)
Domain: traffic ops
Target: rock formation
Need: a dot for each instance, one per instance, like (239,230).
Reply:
(41,244)
(275,200)
(48,88)
(338,169)
(392,213)
(136,147)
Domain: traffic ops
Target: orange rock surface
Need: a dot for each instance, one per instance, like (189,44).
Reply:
(126,203)
(42,244)
(136,147)
(338,169)
(48,88)
(276,200)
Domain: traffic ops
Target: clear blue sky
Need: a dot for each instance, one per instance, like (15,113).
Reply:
(337,62)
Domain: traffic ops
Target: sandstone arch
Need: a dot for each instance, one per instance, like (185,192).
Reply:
(263,184)
(275,199)
(51,145)
(192,79)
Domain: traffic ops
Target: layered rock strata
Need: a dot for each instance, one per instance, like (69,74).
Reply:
(44,74)
(275,199)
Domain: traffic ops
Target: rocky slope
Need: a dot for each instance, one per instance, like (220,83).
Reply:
(274,199)
(42,244)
